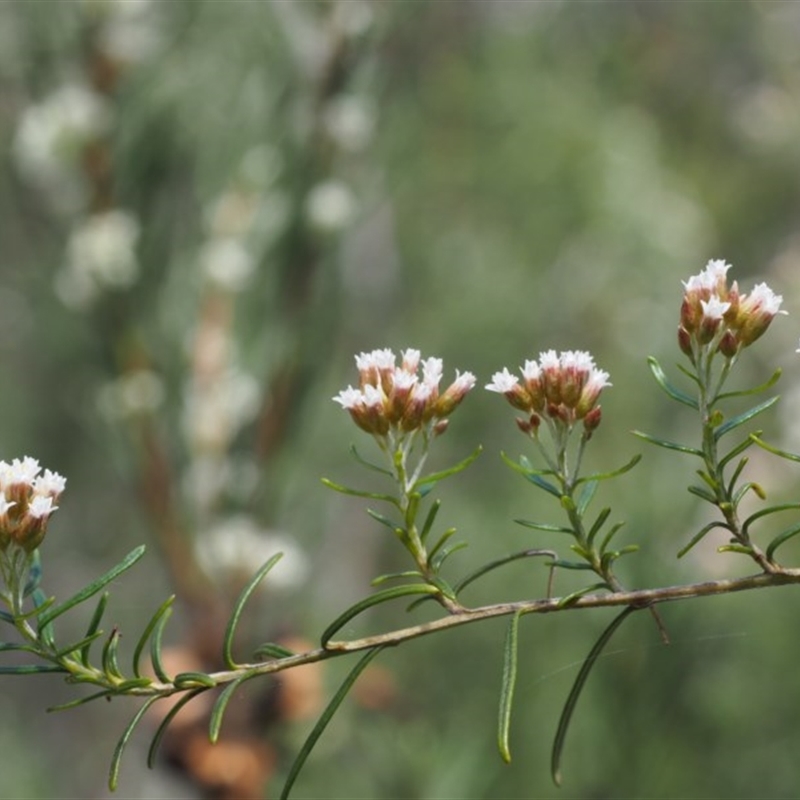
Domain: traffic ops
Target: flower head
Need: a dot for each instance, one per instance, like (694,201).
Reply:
(27,499)
(716,315)
(399,398)
(563,387)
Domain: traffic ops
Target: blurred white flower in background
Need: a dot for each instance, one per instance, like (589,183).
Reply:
(101,254)
(214,414)
(234,547)
(350,121)
(139,392)
(227,263)
(130,30)
(330,206)
(50,138)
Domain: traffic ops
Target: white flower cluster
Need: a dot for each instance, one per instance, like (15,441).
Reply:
(717,315)
(101,255)
(392,397)
(27,499)
(562,387)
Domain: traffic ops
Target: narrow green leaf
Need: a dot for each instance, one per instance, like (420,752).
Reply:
(736,548)
(155,645)
(378,517)
(442,541)
(663,382)
(604,476)
(17,647)
(544,526)
(703,494)
(337,487)
(745,416)
(774,450)
(151,626)
(45,631)
(374,467)
(429,519)
(486,568)
(681,448)
(324,719)
(577,565)
(439,559)
(587,493)
(82,645)
(610,535)
(191,680)
(93,588)
(80,701)
(34,574)
(569,599)
(30,669)
(230,630)
(575,692)
(507,687)
(225,696)
(162,728)
(766,512)
(757,390)
(427,481)
(534,476)
(739,449)
(390,576)
(607,559)
(132,683)
(750,486)
(92,630)
(700,535)
(272,650)
(780,539)
(736,474)
(598,523)
(109,660)
(6,617)
(689,374)
(375,599)
(113,774)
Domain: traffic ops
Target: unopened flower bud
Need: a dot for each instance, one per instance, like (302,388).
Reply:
(756,312)
(685,342)
(440,427)
(454,394)
(592,420)
(729,344)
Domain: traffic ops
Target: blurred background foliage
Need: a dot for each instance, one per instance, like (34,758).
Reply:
(208,207)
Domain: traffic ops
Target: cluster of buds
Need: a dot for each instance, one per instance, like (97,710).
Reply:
(717,316)
(27,499)
(563,388)
(396,399)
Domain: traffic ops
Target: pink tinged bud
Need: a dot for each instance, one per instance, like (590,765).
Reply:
(729,344)
(440,427)
(454,394)
(685,342)
(592,420)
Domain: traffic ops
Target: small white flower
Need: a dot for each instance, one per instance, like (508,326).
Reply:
(21,471)
(331,206)
(549,360)
(531,371)
(410,359)
(349,398)
(763,299)
(714,308)
(373,396)
(504,381)
(432,371)
(404,380)
(227,263)
(51,484)
(464,381)
(41,506)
